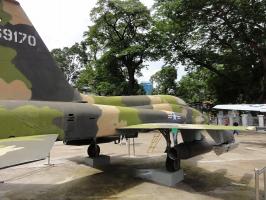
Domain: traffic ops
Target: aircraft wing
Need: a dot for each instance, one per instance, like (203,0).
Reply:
(243,107)
(19,150)
(153,126)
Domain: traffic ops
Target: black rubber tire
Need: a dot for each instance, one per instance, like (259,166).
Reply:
(172,154)
(172,165)
(93,151)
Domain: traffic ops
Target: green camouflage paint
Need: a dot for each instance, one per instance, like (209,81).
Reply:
(4,16)
(171,99)
(177,108)
(197,117)
(133,101)
(8,70)
(129,115)
(115,100)
(29,120)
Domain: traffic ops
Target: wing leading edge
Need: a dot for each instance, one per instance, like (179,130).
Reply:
(242,107)
(187,126)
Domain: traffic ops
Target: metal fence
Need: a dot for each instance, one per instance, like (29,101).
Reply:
(258,172)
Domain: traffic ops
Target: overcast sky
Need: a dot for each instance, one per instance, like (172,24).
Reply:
(62,23)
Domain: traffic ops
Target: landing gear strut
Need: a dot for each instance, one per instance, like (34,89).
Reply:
(93,150)
(172,163)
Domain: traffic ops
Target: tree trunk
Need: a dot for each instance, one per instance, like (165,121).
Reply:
(131,80)
(263,85)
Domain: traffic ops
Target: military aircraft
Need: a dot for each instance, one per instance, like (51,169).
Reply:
(37,104)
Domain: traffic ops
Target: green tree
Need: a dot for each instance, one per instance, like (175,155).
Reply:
(165,80)
(195,87)
(118,40)
(227,37)
(102,78)
(70,61)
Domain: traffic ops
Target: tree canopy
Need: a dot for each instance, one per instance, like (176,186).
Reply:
(118,42)
(226,37)
(165,80)
(70,60)
(195,87)
(221,43)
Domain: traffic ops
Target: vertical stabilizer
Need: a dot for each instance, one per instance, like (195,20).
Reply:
(27,69)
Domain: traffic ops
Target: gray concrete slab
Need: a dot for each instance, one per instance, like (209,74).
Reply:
(161,176)
(100,161)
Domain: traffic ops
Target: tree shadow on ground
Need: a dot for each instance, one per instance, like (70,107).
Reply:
(197,179)
(217,185)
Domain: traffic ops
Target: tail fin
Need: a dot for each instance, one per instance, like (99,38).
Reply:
(27,69)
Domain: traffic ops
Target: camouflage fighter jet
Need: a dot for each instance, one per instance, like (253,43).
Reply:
(37,105)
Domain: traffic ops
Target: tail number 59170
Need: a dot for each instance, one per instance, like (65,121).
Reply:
(18,37)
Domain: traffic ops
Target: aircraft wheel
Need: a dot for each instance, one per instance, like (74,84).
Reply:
(172,165)
(93,151)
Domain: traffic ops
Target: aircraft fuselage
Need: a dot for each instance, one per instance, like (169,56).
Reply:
(74,121)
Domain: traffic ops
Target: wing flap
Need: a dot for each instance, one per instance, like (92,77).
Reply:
(18,150)
(187,126)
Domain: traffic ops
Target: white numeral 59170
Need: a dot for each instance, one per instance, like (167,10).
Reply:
(18,37)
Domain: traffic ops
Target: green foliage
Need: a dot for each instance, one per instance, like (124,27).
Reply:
(70,61)
(226,37)
(194,87)
(118,45)
(101,83)
(102,78)
(165,80)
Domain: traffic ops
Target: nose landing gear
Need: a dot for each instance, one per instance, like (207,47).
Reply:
(93,150)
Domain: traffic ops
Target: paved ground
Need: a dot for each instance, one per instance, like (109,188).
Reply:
(230,176)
